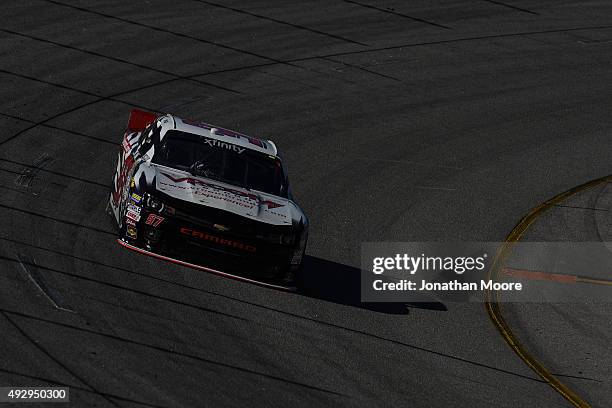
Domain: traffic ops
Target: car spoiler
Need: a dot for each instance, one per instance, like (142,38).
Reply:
(139,119)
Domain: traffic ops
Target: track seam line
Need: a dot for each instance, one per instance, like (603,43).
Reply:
(55,173)
(185,355)
(298,317)
(360,68)
(493,306)
(302,59)
(411,45)
(296,26)
(128,289)
(67,222)
(72,132)
(510,6)
(382,10)
(77,90)
(76,387)
(100,98)
(116,59)
(44,351)
(170,32)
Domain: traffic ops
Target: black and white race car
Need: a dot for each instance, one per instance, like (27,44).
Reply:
(209,198)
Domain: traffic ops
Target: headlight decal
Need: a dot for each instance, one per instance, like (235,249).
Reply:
(153,203)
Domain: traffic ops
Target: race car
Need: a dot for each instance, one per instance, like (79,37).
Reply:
(208,198)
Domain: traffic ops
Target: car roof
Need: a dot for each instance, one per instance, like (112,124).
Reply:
(224,135)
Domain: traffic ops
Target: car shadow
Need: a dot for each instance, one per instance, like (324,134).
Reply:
(339,283)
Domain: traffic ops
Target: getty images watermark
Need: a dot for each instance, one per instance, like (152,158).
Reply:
(464,271)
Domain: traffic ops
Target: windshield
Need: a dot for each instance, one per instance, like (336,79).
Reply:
(221,161)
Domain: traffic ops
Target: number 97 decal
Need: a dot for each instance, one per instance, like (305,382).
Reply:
(154,220)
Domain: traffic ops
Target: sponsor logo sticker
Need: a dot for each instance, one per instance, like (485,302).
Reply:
(217,240)
(215,191)
(132,215)
(136,198)
(131,231)
(134,208)
(223,145)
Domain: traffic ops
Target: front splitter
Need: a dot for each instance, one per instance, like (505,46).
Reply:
(205,269)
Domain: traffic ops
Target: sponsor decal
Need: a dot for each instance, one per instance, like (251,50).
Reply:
(227,132)
(134,208)
(122,178)
(223,145)
(136,198)
(132,215)
(217,240)
(130,221)
(220,227)
(154,220)
(195,182)
(131,231)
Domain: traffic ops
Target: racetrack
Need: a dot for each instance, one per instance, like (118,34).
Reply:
(427,121)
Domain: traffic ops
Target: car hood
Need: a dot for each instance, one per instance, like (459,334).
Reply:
(251,204)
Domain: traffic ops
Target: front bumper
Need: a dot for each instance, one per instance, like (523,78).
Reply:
(193,238)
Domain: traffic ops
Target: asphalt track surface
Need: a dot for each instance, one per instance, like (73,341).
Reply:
(399,122)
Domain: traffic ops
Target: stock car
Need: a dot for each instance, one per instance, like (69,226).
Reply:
(207,198)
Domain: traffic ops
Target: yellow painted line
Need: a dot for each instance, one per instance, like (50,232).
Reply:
(492,301)
(553,277)
(594,281)
(538,275)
